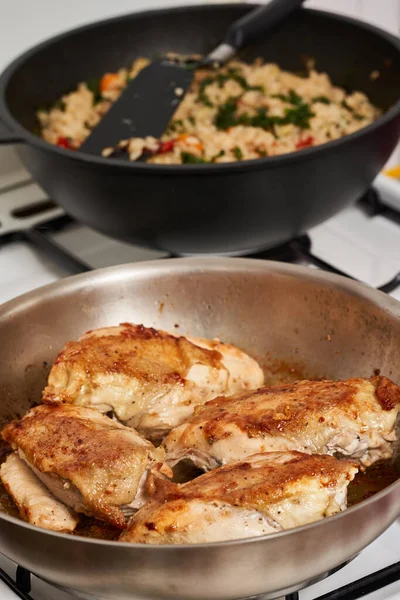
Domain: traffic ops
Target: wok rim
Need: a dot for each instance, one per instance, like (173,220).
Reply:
(192,265)
(25,136)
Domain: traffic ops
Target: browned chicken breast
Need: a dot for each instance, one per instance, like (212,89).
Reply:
(34,502)
(266,493)
(150,379)
(91,463)
(354,418)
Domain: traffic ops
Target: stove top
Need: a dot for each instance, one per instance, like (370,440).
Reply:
(43,243)
(39,244)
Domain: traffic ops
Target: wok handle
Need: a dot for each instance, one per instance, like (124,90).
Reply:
(244,30)
(7,136)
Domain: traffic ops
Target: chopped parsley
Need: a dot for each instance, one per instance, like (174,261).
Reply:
(191,159)
(234,74)
(237,152)
(321,99)
(346,106)
(299,116)
(176,125)
(355,114)
(202,96)
(93,85)
(226,117)
(260,119)
(192,120)
(220,153)
(291,98)
(189,65)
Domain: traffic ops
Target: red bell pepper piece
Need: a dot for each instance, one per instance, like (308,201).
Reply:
(166,146)
(308,141)
(64,142)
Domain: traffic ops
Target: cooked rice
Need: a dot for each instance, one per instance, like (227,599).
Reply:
(240,112)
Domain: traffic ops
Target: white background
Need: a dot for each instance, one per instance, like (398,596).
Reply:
(24,23)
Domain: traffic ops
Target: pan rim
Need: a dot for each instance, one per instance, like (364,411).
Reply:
(25,136)
(203,263)
(192,265)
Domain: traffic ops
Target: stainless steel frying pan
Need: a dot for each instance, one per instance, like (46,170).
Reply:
(334,327)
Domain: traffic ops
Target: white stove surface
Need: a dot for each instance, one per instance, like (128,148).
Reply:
(367,248)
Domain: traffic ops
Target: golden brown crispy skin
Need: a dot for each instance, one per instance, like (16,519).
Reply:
(354,417)
(288,489)
(293,407)
(147,354)
(103,460)
(387,392)
(150,379)
(258,484)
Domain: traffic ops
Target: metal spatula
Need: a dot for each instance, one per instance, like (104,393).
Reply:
(150,100)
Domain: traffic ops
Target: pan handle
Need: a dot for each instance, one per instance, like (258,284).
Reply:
(7,136)
(256,22)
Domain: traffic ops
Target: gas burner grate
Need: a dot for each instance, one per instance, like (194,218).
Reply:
(22,584)
(39,236)
(352,591)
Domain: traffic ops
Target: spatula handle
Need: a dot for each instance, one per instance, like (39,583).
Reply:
(258,21)
(244,30)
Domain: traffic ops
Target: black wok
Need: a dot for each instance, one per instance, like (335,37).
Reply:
(236,207)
